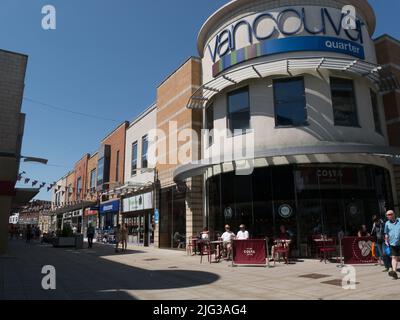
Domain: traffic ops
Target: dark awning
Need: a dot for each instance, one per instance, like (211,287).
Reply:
(24,196)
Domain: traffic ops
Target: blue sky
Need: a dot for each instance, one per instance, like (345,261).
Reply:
(105,58)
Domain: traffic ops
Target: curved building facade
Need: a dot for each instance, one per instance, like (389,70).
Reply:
(293,87)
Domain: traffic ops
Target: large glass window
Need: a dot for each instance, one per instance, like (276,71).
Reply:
(100,171)
(375,110)
(344,102)
(93,179)
(117,168)
(210,123)
(239,109)
(134,158)
(79,187)
(145,147)
(290,102)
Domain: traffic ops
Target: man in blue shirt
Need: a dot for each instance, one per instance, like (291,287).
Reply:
(392,239)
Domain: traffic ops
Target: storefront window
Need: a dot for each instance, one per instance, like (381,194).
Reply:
(375,110)
(239,109)
(290,102)
(344,102)
(309,200)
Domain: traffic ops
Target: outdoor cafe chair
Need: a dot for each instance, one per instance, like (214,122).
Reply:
(191,246)
(282,249)
(206,249)
(328,247)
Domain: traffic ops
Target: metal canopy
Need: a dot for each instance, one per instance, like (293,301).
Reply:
(360,68)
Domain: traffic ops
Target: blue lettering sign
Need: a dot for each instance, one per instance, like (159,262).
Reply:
(225,42)
(292,44)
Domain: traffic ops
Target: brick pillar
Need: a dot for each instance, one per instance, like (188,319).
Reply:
(194,206)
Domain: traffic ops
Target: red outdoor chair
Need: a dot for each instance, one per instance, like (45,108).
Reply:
(328,248)
(282,249)
(206,250)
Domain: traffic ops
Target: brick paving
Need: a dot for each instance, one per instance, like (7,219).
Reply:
(156,274)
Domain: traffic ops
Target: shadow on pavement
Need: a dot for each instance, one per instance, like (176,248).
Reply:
(88,276)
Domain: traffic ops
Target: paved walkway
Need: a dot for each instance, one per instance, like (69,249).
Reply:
(150,273)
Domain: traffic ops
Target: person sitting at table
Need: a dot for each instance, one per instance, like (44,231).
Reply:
(363,231)
(205,234)
(243,234)
(227,238)
(283,235)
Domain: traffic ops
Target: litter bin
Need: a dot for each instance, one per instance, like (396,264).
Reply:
(79,241)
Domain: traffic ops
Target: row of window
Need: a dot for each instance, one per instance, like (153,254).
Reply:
(144,160)
(291,106)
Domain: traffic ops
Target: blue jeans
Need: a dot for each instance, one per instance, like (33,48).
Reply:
(385,258)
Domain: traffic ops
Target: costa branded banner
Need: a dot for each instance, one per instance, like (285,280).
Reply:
(249,252)
(358,250)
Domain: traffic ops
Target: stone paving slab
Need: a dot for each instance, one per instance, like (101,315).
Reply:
(156,274)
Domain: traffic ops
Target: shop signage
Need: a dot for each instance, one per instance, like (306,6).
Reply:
(156,216)
(91,211)
(112,206)
(77,213)
(249,252)
(285,211)
(225,41)
(137,203)
(358,250)
(286,45)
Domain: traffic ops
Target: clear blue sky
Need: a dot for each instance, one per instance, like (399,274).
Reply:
(106,58)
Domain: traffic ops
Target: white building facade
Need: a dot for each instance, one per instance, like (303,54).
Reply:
(293,92)
(140,176)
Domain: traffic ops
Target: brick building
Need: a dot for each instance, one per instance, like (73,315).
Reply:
(12,121)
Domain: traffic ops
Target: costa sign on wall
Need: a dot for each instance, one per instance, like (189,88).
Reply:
(268,33)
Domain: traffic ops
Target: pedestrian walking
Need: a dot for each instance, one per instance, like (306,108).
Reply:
(90,235)
(392,239)
(378,231)
(124,237)
(28,233)
(117,237)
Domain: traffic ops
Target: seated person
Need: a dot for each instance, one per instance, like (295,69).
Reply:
(283,235)
(179,240)
(205,235)
(363,231)
(243,234)
(227,238)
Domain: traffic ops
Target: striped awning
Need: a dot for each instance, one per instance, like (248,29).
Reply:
(360,68)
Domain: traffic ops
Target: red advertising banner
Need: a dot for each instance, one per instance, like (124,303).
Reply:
(358,250)
(7,188)
(249,252)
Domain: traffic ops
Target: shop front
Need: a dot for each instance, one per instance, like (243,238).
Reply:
(91,217)
(308,200)
(138,215)
(74,219)
(109,214)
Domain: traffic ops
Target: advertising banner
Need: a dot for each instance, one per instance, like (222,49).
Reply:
(138,203)
(249,252)
(358,250)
